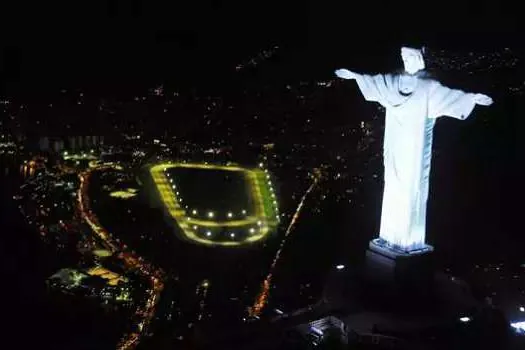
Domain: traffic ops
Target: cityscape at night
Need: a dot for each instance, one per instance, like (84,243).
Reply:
(216,192)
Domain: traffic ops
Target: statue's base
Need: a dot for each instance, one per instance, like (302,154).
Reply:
(400,270)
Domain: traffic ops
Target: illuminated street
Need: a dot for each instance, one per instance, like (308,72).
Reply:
(262,298)
(144,314)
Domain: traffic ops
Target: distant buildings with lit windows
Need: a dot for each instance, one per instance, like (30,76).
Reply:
(71,143)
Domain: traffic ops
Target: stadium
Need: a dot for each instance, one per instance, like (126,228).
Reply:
(216,205)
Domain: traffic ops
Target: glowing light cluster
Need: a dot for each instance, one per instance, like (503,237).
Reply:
(112,277)
(79,156)
(124,194)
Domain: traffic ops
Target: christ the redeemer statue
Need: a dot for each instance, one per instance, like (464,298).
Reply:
(412,103)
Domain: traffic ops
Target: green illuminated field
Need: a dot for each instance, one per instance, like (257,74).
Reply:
(217,205)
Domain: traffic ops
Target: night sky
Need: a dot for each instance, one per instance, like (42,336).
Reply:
(120,42)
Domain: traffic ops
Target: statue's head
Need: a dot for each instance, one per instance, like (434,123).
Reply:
(412,59)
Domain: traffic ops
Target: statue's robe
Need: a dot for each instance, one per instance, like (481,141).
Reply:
(407,149)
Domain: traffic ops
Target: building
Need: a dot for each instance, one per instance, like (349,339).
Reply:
(97,281)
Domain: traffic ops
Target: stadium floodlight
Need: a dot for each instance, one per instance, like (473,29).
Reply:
(194,212)
(230,214)
(211,214)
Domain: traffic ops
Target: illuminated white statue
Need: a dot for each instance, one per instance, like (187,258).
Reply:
(412,103)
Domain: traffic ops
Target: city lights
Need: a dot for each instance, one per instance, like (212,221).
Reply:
(175,186)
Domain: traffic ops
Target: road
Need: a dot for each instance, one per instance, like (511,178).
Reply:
(145,313)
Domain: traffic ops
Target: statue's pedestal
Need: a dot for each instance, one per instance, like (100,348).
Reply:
(410,272)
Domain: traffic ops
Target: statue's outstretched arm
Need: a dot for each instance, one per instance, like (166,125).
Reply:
(455,103)
(345,74)
(375,88)
(482,100)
